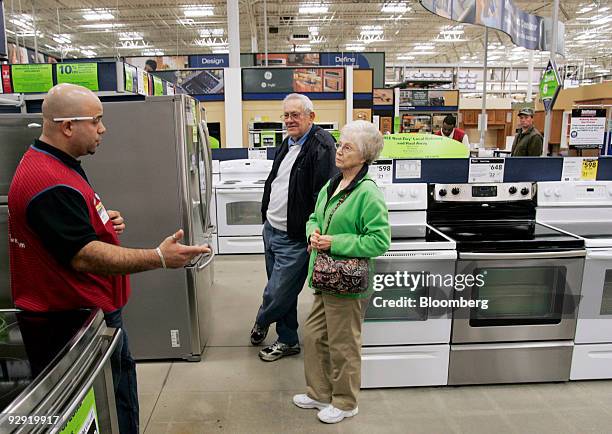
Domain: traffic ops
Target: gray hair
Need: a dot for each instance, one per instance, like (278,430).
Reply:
(307,105)
(366,137)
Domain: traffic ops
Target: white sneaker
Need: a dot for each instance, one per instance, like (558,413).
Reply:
(304,401)
(331,414)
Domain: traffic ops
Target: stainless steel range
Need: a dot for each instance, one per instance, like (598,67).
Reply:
(584,208)
(407,325)
(515,320)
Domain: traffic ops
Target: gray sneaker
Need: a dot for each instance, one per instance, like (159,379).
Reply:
(278,350)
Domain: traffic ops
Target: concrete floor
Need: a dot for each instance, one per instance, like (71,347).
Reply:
(232,391)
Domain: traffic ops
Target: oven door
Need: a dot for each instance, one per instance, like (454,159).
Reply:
(239,212)
(595,312)
(389,319)
(528,296)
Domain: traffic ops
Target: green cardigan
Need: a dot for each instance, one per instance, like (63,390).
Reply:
(359,227)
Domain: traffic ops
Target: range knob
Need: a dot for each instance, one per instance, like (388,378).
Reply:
(547,192)
(414,193)
(557,192)
(524,191)
(401,193)
(442,192)
(455,190)
(512,190)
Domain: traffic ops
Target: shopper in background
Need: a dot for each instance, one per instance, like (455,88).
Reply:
(448,130)
(150,65)
(64,246)
(358,228)
(528,141)
(302,165)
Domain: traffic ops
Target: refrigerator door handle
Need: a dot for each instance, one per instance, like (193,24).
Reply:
(202,147)
(85,389)
(208,261)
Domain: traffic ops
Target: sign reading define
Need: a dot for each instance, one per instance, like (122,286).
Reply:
(550,85)
(36,78)
(422,145)
(83,74)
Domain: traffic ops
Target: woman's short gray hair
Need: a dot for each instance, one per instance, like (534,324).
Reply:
(366,137)
(307,106)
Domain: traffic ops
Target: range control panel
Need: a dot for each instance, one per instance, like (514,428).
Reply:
(575,193)
(404,197)
(500,192)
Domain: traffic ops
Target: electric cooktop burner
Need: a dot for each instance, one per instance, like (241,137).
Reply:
(506,235)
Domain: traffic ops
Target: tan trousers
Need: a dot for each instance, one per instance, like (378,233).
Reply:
(332,350)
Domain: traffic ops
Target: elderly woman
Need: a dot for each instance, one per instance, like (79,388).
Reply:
(350,221)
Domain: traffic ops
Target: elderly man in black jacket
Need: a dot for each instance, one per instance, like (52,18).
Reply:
(303,164)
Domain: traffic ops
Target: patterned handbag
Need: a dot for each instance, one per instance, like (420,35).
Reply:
(340,276)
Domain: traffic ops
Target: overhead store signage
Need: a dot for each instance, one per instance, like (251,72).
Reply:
(550,85)
(83,74)
(209,61)
(526,30)
(587,127)
(32,78)
(287,80)
(421,145)
(3,47)
(376,61)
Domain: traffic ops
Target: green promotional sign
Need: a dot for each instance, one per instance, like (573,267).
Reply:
(85,418)
(335,134)
(32,78)
(213,142)
(129,78)
(421,145)
(550,84)
(83,74)
(397,124)
(158,86)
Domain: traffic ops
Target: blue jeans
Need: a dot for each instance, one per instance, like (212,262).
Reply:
(287,267)
(124,379)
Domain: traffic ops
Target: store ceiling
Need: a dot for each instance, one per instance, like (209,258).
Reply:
(415,36)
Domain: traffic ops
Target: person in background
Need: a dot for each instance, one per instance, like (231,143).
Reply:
(302,165)
(64,247)
(359,228)
(150,65)
(528,140)
(448,130)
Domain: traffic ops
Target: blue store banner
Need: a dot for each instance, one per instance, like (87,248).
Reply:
(209,61)
(372,60)
(3,48)
(526,30)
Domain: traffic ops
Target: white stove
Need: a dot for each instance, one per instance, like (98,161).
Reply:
(238,195)
(405,345)
(584,208)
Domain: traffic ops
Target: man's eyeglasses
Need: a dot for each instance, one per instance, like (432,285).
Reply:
(95,119)
(293,115)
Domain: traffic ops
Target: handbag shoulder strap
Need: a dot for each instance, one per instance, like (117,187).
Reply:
(342,199)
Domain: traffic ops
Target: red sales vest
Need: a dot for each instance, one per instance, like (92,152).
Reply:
(457,134)
(38,281)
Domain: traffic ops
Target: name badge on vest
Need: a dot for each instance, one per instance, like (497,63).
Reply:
(101,210)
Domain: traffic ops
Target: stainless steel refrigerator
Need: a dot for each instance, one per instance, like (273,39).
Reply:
(154,166)
(17,132)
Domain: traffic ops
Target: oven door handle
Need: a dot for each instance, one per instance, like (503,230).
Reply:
(531,255)
(221,191)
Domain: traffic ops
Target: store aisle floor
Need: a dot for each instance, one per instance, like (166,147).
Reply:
(232,391)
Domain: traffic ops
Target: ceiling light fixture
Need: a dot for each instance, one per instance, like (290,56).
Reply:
(313,8)
(98,15)
(154,52)
(206,33)
(198,11)
(62,38)
(302,48)
(130,36)
(395,8)
(102,25)
(355,47)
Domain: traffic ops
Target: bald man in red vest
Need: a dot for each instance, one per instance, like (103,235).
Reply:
(64,246)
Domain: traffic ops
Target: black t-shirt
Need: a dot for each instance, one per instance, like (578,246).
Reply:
(59,215)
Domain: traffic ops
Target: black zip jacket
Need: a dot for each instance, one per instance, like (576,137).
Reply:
(314,166)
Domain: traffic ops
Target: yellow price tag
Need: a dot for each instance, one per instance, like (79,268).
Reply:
(589,169)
